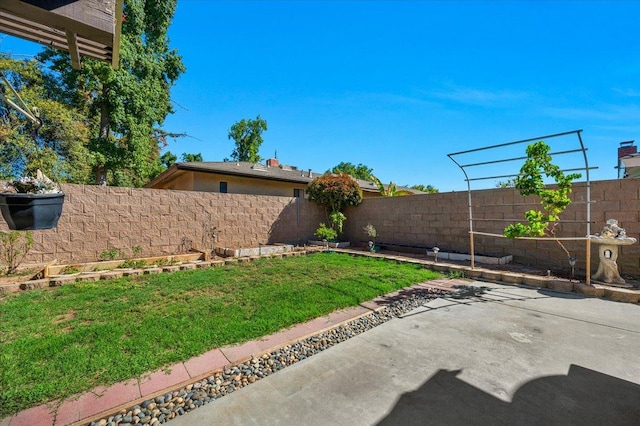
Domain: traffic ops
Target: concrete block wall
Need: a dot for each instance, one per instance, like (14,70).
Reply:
(96,218)
(443,220)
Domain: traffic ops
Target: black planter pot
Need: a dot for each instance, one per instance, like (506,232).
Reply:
(26,212)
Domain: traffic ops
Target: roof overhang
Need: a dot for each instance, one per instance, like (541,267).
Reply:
(631,165)
(88,28)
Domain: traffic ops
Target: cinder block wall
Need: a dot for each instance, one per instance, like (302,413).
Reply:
(96,218)
(443,220)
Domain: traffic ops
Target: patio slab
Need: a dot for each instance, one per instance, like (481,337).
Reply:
(538,357)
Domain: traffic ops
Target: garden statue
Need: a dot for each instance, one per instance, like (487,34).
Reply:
(611,237)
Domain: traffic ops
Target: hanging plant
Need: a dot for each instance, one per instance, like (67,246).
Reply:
(554,201)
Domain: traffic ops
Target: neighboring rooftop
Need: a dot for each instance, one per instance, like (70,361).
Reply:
(272,170)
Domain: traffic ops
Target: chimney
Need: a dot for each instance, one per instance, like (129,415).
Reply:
(272,162)
(627,148)
(310,174)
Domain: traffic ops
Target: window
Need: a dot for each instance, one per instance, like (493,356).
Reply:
(223,187)
(298,193)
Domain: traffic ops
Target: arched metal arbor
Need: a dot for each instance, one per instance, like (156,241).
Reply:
(486,160)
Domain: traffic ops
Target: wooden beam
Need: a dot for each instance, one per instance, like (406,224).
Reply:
(74,52)
(115,58)
(87,17)
(50,37)
(82,27)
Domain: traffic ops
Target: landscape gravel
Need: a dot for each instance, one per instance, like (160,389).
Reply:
(178,402)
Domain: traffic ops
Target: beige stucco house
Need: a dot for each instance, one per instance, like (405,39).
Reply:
(240,177)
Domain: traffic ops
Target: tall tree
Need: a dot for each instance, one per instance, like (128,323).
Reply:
(358,172)
(188,158)
(59,146)
(128,104)
(248,137)
(168,159)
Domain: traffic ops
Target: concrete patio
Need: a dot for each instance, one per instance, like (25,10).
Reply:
(493,354)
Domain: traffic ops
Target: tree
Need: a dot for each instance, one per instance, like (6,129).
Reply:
(357,172)
(189,158)
(125,106)
(247,135)
(430,189)
(554,200)
(168,159)
(390,190)
(59,147)
(509,183)
(334,193)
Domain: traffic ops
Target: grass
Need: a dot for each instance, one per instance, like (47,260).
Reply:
(59,342)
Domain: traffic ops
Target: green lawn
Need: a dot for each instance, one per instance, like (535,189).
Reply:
(58,342)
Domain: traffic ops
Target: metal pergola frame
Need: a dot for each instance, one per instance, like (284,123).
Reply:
(469,179)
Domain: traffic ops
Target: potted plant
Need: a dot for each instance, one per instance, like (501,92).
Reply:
(31,203)
(372,233)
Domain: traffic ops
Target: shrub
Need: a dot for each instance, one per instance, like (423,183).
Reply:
(326,233)
(337,221)
(334,192)
(14,246)
(371,232)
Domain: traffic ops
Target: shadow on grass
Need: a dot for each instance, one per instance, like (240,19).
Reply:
(582,397)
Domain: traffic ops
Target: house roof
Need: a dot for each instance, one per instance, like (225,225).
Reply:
(282,173)
(631,165)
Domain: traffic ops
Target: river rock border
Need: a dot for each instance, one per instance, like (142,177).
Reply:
(165,407)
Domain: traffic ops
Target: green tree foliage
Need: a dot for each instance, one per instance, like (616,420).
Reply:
(554,201)
(189,158)
(168,159)
(426,188)
(357,172)
(125,106)
(59,147)
(247,135)
(334,192)
(390,190)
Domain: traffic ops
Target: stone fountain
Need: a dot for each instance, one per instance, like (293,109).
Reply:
(609,240)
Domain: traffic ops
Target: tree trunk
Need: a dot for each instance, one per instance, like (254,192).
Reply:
(105,124)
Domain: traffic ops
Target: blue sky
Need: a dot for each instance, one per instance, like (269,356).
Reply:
(399,85)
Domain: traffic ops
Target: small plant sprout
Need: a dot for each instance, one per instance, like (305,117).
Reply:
(14,246)
(111,254)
